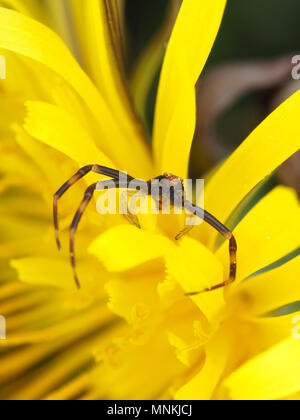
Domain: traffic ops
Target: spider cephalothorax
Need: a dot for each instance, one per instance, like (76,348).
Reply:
(163,187)
(167,190)
(174,180)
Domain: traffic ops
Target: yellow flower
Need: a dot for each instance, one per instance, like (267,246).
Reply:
(150,341)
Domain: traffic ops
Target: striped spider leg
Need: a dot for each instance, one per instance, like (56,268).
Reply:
(176,195)
(226,233)
(114,182)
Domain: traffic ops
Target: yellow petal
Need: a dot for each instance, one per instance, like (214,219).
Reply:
(29,38)
(187,330)
(272,375)
(22,303)
(202,386)
(263,151)
(293,397)
(268,233)
(46,161)
(55,372)
(30,8)
(106,69)
(269,291)
(102,62)
(99,27)
(175,150)
(50,272)
(11,289)
(125,247)
(65,97)
(70,390)
(59,17)
(195,268)
(123,356)
(18,169)
(150,60)
(58,129)
(15,363)
(265,332)
(20,235)
(190,44)
(135,297)
(144,74)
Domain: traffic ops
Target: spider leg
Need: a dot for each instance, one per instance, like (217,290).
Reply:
(102,170)
(87,198)
(132,218)
(144,188)
(227,234)
(183,232)
(102,185)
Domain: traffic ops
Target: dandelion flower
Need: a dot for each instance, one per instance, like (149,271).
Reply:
(131,332)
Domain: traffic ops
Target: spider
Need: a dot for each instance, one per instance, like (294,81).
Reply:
(177,193)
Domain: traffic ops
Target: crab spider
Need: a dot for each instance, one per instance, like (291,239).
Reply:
(177,195)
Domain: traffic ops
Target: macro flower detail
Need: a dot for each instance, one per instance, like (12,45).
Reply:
(131,332)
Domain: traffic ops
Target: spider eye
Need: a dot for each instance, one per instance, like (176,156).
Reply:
(171,177)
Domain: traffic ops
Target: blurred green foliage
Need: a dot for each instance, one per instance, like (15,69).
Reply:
(258,28)
(250,29)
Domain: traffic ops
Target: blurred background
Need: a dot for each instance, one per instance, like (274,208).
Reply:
(248,73)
